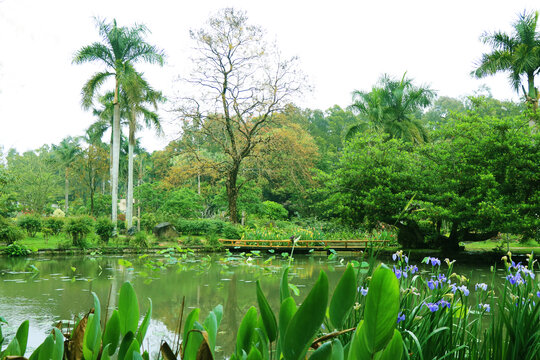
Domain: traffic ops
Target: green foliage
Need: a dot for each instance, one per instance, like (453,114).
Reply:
(16,249)
(140,240)
(183,202)
(273,211)
(148,221)
(9,232)
(55,224)
(206,227)
(104,228)
(78,227)
(31,223)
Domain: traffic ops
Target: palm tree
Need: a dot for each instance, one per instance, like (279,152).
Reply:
(138,94)
(120,49)
(67,152)
(392,106)
(517,53)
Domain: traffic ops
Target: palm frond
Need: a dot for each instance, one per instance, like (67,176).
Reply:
(90,88)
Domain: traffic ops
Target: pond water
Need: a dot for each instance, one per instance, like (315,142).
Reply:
(47,290)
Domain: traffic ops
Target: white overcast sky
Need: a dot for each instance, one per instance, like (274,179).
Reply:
(342,45)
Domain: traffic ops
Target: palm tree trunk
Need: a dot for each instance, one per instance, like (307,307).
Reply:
(116,158)
(129,207)
(532,98)
(66,194)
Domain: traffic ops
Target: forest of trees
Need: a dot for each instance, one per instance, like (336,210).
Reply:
(440,170)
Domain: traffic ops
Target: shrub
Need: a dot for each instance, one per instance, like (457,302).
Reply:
(274,211)
(17,249)
(148,221)
(104,229)
(121,226)
(206,227)
(78,227)
(140,240)
(183,202)
(9,232)
(55,224)
(31,223)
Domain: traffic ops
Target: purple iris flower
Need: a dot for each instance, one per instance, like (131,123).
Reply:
(538,294)
(397,272)
(442,278)
(413,269)
(453,287)
(464,290)
(444,303)
(432,284)
(400,318)
(515,279)
(364,291)
(481,286)
(432,260)
(485,307)
(394,256)
(432,306)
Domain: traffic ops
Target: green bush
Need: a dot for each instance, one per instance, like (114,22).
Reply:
(274,211)
(31,223)
(148,221)
(104,229)
(9,232)
(140,240)
(78,227)
(183,202)
(55,224)
(16,249)
(207,226)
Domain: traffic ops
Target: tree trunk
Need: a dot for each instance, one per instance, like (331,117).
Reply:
(116,158)
(92,192)
(66,194)
(129,205)
(532,98)
(232,193)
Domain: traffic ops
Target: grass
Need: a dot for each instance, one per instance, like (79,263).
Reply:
(514,246)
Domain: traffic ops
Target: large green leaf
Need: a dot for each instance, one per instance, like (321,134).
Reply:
(111,336)
(125,345)
(306,321)
(394,349)
(324,352)
(128,309)
(13,349)
(246,331)
(337,350)
(268,317)
(194,341)
(286,313)
(192,317)
(284,288)
(141,332)
(22,336)
(218,311)
(46,349)
(92,333)
(357,346)
(58,350)
(254,354)
(343,298)
(211,327)
(134,348)
(382,307)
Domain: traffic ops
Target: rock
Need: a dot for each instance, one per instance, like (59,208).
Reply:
(165,230)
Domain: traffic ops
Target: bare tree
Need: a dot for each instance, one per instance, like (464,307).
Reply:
(240,82)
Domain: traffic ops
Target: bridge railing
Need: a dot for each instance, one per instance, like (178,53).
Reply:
(312,244)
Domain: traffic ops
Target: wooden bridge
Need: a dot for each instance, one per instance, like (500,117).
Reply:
(301,245)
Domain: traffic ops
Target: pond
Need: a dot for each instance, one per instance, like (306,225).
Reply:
(47,290)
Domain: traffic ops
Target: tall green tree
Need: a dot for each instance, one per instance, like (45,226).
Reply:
(138,95)
(394,106)
(66,153)
(517,53)
(120,49)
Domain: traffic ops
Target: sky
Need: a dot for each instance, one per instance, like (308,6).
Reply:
(342,46)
